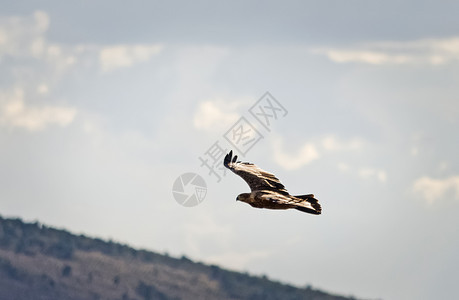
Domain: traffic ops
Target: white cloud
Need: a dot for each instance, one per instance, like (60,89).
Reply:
(15,113)
(23,36)
(314,150)
(122,56)
(305,155)
(432,189)
(331,143)
(365,173)
(216,115)
(443,166)
(44,64)
(368,173)
(343,167)
(364,56)
(42,89)
(424,51)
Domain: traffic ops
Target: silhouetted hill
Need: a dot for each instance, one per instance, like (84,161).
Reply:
(39,262)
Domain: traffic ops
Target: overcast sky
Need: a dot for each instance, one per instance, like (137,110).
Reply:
(103,105)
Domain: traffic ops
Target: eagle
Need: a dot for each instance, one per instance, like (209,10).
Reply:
(266,190)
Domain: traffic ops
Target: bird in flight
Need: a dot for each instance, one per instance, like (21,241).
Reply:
(266,190)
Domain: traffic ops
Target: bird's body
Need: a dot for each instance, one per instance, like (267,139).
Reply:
(267,191)
(263,199)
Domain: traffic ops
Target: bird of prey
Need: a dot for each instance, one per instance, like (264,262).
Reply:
(266,190)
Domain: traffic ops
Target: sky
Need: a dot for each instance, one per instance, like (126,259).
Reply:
(103,105)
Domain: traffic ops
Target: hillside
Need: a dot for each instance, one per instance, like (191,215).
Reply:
(39,262)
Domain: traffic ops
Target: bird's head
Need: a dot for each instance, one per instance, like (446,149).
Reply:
(243,197)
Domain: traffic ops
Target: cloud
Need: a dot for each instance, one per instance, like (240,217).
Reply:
(43,64)
(368,173)
(122,56)
(324,147)
(432,189)
(15,113)
(343,167)
(213,115)
(305,155)
(365,173)
(327,147)
(364,56)
(332,143)
(23,40)
(23,36)
(423,51)
(313,150)
(42,89)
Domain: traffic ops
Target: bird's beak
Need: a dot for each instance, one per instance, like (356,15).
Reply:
(237,198)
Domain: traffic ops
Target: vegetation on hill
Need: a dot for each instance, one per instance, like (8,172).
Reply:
(40,262)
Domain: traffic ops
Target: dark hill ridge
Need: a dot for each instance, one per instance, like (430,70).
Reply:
(39,262)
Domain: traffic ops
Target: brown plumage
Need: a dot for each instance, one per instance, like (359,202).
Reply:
(266,190)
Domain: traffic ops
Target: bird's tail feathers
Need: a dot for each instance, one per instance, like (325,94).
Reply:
(314,208)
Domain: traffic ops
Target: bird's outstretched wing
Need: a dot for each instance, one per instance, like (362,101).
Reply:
(256,178)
